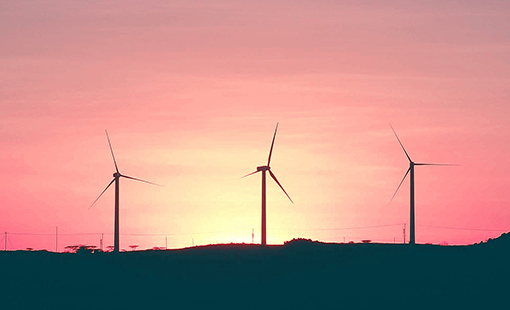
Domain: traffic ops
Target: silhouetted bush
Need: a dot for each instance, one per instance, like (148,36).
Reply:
(298,241)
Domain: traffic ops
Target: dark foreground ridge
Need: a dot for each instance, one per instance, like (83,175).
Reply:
(298,275)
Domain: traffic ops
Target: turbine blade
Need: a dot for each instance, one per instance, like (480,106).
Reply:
(276,180)
(272,144)
(405,175)
(102,193)
(401,144)
(248,174)
(428,164)
(111,149)
(128,177)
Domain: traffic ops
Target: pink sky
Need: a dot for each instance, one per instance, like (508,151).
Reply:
(190,92)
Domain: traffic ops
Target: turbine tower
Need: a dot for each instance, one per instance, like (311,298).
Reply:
(410,171)
(116,178)
(263,169)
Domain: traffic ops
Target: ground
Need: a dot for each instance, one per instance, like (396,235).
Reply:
(298,275)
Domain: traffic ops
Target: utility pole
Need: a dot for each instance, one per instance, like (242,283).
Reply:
(5,248)
(101,243)
(56,239)
(166,243)
(252,235)
(404,231)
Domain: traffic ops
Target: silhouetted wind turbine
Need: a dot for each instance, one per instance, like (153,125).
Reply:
(263,169)
(410,171)
(116,178)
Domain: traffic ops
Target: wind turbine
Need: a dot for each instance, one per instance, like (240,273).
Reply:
(263,169)
(116,178)
(410,171)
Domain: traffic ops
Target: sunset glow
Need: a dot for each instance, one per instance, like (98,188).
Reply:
(190,92)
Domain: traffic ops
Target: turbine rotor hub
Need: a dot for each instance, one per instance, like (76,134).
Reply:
(116,175)
(263,168)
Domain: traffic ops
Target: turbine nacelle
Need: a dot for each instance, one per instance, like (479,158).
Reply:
(263,168)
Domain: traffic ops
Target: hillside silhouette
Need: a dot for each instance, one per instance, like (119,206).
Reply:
(301,274)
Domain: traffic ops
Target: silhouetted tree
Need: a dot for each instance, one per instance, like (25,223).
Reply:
(79,248)
(87,249)
(71,248)
(133,247)
(366,241)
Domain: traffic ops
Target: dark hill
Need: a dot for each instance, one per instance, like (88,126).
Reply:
(298,275)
